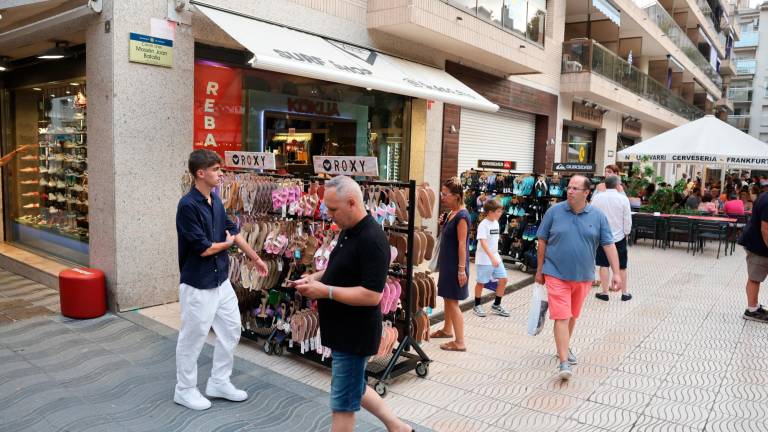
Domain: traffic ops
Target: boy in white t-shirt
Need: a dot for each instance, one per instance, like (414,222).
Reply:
(487,259)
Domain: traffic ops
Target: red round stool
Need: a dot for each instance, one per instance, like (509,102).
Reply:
(82,293)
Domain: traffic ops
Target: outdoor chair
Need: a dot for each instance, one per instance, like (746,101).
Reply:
(679,227)
(712,230)
(645,226)
(735,229)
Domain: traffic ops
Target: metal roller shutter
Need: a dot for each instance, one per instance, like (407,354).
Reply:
(503,135)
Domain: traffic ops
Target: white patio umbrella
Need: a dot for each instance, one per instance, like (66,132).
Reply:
(708,141)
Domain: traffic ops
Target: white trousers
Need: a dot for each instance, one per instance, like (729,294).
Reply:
(201,309)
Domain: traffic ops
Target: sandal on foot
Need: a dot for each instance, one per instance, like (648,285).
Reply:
(440,335)
(451,346)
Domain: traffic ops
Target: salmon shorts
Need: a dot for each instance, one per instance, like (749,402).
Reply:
(565,297)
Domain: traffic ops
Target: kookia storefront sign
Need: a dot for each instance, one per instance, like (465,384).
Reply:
(347,165)
(573,167)
(249,160)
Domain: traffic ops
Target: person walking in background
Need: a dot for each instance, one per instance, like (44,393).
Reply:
(454,264)
(569,235)
(754,238)
(206,296)
(615,207)
(348,294)
(610,170)
(488,263)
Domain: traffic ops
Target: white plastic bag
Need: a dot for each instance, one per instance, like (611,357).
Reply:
(537,314)
(434,263)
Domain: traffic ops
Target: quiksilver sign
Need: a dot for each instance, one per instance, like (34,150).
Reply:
(249,160)
(573,167)
(346,165)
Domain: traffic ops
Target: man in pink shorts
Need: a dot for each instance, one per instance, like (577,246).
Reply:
(568,236)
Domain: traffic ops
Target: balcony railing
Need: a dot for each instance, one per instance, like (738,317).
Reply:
(739,94)
(707,11)
(661,17)
(748,39)
(523,17)
(746,66)
(590,56)
(739,121)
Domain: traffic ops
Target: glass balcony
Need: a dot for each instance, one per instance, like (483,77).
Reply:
(589,56)
(739,121)
(746,66)
(748,39)
(523,17)
(740,94)
(660,16)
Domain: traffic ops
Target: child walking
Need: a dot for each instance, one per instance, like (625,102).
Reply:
(487,259)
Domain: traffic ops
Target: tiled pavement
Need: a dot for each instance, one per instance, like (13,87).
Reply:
(22,299)
(111,374)
(677,357)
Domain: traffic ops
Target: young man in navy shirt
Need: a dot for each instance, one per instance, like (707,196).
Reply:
(207,298)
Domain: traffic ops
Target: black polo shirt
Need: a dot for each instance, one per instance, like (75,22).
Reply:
(199,225)
(360,258)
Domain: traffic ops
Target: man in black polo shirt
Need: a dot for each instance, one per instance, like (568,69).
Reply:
(348,293)
(206,296)
(754,238)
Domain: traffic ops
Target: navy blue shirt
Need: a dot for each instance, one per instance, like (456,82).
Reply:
(199,225)
(752,238)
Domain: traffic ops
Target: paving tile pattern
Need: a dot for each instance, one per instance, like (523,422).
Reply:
(22,299)
(110,374)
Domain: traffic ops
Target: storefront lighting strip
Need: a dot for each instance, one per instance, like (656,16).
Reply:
(10,38)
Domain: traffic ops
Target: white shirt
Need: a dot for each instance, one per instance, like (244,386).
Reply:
(488,231)
(616,208)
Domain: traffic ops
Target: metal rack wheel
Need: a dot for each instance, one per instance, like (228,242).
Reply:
(268,348)
(422,369)
(380,388)
(278,349)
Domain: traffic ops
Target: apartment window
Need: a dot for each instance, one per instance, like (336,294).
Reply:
(764,137)
(524,17)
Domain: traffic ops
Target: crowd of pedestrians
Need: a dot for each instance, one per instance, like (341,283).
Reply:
(574,237)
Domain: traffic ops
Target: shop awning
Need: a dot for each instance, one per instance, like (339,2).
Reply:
(608,10)
(284,50)
(707,140)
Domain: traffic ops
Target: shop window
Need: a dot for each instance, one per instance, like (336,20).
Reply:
(580,145)
(47,185)
(297,118)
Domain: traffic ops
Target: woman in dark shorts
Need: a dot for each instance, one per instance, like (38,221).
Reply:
(454,263)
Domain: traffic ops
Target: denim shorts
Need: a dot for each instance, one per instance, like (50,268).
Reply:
(487,273)
(347,381)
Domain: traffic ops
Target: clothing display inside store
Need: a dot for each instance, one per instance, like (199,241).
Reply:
(285,220)
(49,194)
(524,198)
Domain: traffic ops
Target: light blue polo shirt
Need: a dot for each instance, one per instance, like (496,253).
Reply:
(572,241)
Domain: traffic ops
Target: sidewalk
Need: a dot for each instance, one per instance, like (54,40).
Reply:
(111,374)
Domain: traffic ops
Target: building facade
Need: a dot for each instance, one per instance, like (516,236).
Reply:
(749,90)
(111,122)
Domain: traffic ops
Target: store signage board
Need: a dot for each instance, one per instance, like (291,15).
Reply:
(757,162)
(494,164)
(573,167)
(367,166)
(150,50)
(249,160)
(587,115)
(632,128)
(218,113)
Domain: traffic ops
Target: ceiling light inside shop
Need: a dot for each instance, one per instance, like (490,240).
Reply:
(37,89)
(4,63)
(60,51)
(74,84)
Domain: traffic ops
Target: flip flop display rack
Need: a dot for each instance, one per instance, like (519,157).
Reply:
(284,219)
(524,199)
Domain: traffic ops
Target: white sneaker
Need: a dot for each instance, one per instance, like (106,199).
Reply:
(225,391)
(192,399)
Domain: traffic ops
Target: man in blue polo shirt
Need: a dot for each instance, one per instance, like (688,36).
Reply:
(569,235)
(206,295)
